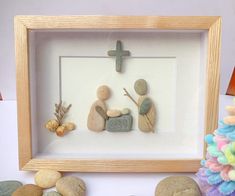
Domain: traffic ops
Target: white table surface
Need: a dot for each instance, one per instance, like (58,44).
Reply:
(98,184)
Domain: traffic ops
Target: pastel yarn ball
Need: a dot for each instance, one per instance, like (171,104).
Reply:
(231,174)
(209,138)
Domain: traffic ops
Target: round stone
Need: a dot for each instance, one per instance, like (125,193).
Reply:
(177,186)
(52,193)
(103,92)
(125,111)
(28,190)
(46,178)
(141,87)
(8,187)
(71,185)
(113,113)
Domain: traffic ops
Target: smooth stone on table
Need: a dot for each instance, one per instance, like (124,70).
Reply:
(8,187)
(141,87)
(46,178)
(28,190)
(52,193)
(71,186)
(113,113)
(103,92)
(119,124)
(125,111)
(177,186)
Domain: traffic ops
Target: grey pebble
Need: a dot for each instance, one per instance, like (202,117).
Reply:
(145,106)
(119,124)
(8,187)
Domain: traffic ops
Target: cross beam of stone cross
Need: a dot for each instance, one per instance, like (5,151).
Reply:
(119,53)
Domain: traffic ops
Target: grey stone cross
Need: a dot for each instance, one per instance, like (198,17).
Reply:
(119,53)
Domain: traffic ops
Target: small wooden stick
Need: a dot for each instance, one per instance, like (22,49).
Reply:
(145,116)
(128,95)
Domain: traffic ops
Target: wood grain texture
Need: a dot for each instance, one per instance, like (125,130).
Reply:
(23,92)
(213,76)
(114,165)
(117,22)
(25,23)
(213,79)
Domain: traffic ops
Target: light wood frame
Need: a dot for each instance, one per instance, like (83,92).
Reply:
(25,23)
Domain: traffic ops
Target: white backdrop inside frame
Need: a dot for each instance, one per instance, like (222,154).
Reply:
(178,92)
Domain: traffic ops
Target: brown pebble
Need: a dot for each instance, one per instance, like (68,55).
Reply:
(28,190)
(103,92)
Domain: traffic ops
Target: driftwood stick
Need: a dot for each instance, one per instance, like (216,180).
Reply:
(128,95)
(145,116)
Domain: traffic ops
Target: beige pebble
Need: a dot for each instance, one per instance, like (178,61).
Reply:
(46,178)
(177,186)
(114,113)
(229,120)
(95,121)
(71,186)
(52,125)
(125,111)
(103,92)
(69,126)
(28,190)
(231,110)
(141,87)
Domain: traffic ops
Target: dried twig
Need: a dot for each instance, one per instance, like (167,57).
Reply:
(60,112)
(145,116)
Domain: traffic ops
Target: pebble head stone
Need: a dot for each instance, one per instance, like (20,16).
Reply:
(141,87)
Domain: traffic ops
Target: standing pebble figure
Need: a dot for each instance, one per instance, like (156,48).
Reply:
(146,108)
(97,116)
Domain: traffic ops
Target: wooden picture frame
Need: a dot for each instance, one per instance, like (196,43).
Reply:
(23,24)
